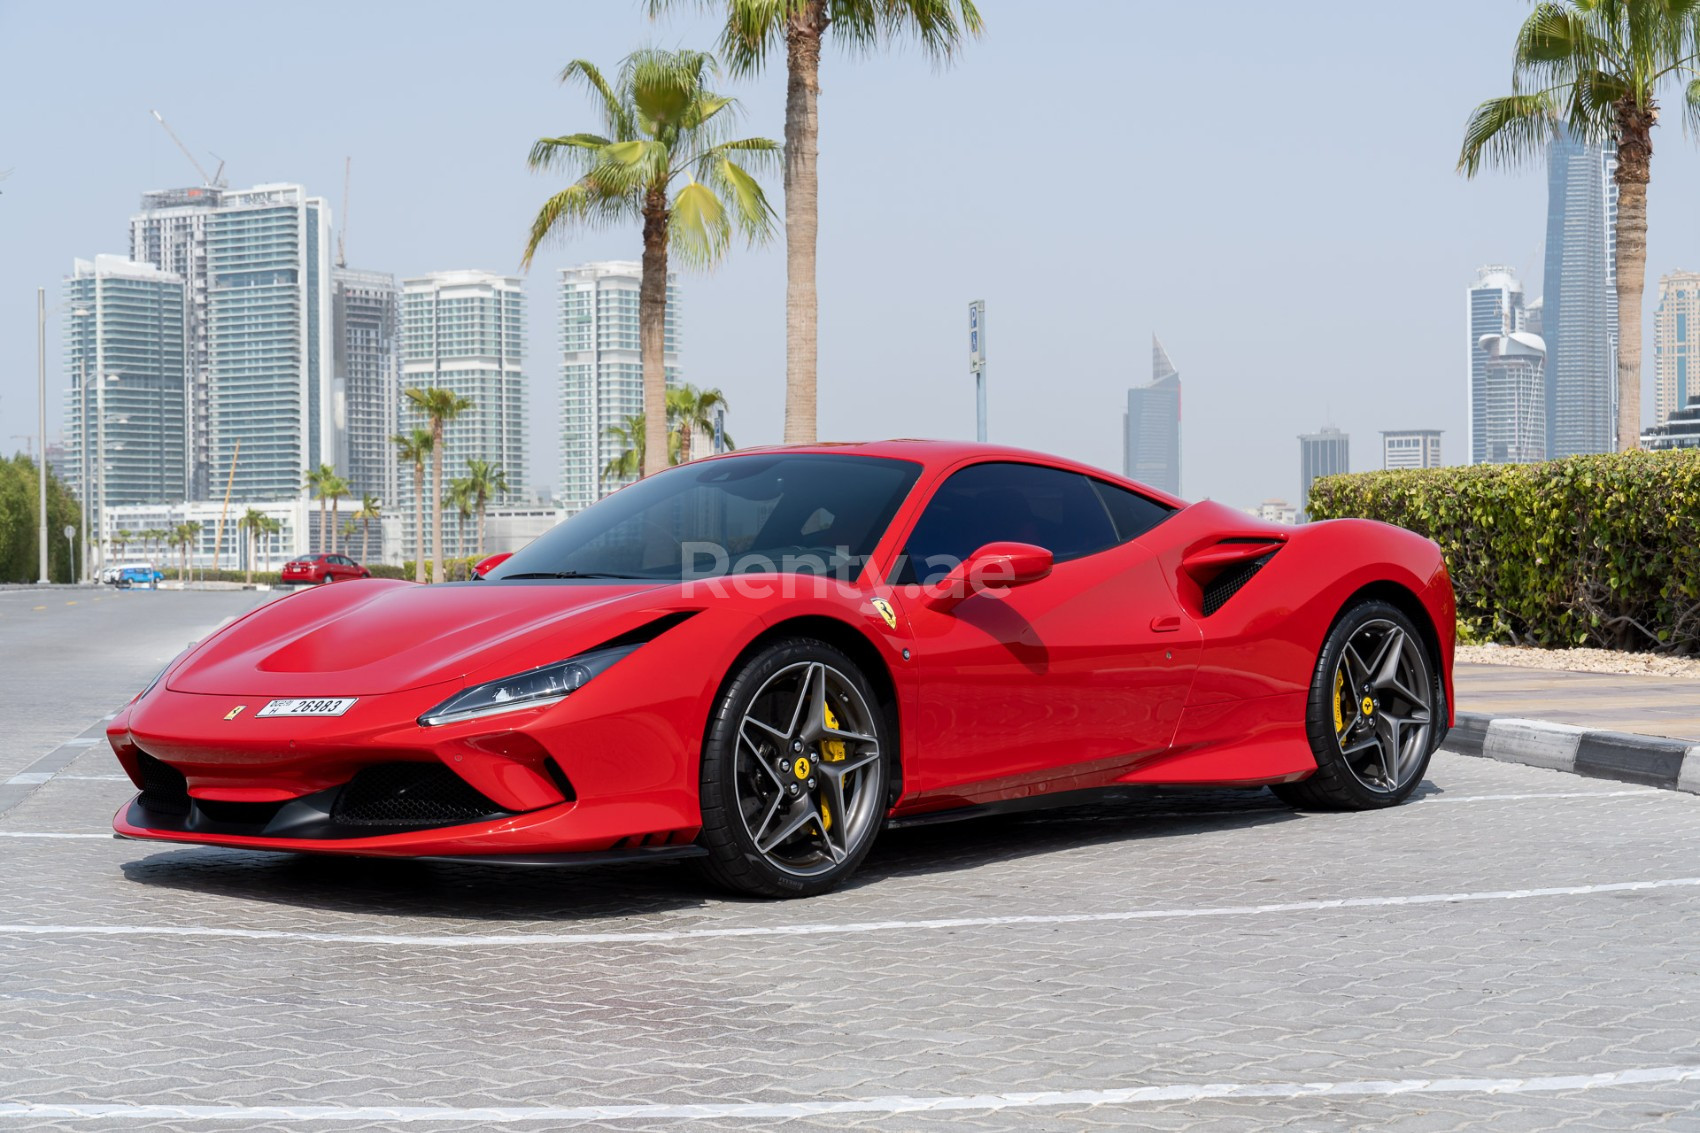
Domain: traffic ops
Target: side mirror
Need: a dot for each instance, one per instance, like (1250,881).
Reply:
(994,567)
(486,565)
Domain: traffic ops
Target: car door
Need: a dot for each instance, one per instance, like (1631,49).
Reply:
(1054,684)
(343,567)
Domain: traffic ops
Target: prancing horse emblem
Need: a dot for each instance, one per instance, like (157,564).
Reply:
(235,712)
(886,612)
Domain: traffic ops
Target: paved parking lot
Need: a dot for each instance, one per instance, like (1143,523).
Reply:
(1513,950)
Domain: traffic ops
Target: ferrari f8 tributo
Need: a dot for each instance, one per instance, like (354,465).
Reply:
(758,659)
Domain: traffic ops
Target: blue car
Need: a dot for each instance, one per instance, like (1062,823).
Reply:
(133,576)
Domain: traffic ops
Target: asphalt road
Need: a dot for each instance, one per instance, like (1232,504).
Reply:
(1514,950)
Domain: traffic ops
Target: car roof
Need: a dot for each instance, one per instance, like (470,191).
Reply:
(936,455)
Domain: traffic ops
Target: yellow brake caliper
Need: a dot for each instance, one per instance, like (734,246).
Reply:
(831,751)
(1339,694)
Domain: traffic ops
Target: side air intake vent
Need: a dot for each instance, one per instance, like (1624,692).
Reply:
(410,794)
(1230,581)
(164,789)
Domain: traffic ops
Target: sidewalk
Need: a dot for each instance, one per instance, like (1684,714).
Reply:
(1651,706)
(1637,729)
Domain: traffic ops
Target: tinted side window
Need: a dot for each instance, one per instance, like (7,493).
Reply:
(1131,512)
(995,503)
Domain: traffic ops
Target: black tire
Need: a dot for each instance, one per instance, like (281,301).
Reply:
(728,806)
(1337,719)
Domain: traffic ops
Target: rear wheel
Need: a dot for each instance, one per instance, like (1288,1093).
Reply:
(794,772)
(1372,715)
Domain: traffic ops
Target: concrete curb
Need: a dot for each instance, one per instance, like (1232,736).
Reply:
(1652,761)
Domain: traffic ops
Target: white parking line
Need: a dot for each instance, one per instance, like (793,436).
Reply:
(901,1103)
(664,936)
(29,778)
(49,834)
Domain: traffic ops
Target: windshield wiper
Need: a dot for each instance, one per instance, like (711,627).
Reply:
(567,574)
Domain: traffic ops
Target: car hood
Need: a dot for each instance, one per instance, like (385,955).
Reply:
(375,636)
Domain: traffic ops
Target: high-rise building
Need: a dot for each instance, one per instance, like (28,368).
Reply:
(602,372)
(1579,320)
(1324,453)
(1680,430)
(1493,304)
(124,410)
(1515,395)
(256,267)
(170,232)
(465,331)
(1410,448)
(1676,342)
(1151,429)
(366,314)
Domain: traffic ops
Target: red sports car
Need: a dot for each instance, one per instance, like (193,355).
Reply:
(758,659)
(321,567)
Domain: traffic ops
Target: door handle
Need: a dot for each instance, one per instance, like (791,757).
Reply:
(1166,623)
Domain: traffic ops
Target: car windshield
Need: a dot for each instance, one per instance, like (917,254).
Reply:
(804,513)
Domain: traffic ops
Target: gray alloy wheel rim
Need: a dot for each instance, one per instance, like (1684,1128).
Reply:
(782,810)
(1382,695)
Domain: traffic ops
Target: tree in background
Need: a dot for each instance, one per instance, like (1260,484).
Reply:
(754,28)
(414,447)
(253,521)
(270,529)
(691,410)
(440,406)
(20,524)
(121,539)
(661,125)
(486,480)
(184,536)
(459,499)
(318,479)
(336,487)
(371,511)
(1594,69)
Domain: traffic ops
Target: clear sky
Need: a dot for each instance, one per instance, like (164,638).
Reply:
(1267,187)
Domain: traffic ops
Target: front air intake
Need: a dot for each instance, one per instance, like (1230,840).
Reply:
(410,794)
(165,791)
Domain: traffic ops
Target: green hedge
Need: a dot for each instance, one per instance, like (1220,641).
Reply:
(1589,550)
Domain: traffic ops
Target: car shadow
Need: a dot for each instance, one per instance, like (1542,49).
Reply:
(510,894)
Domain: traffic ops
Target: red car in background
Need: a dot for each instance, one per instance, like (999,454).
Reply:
(322,567)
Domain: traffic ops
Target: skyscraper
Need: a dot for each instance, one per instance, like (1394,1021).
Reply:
(366,315)
(602,371)
(1410,448)
(1579,323)
(1515,391)
(1492,305)
(465,331)
(1324,453)
(1676,342)
(171,233)
(1151,442)
(124,350)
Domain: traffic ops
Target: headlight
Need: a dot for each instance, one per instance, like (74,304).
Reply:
(534,688)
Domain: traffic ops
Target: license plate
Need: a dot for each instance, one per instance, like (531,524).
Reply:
(322,706)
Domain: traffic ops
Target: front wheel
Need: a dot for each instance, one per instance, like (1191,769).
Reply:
(1374,714)
(794,772)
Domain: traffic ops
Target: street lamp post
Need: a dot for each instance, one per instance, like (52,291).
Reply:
(41,422)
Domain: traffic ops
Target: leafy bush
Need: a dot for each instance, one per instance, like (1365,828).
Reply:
(20,524)
(454,570)
(1588,550)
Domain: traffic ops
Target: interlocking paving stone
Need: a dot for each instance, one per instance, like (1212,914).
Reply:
(1494,988)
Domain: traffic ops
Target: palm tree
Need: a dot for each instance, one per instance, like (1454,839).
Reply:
(270,528)
(413,448)
(753,29)
(485,479)
(370,511)
(440,406)
(253,521)
(184,535)
(459,498)
(120,539)
(317,480)
(1593,68)
(690,409)
(335,487)
(662,124)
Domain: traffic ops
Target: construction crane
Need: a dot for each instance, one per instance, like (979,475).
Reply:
(213,182)
(342,233)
